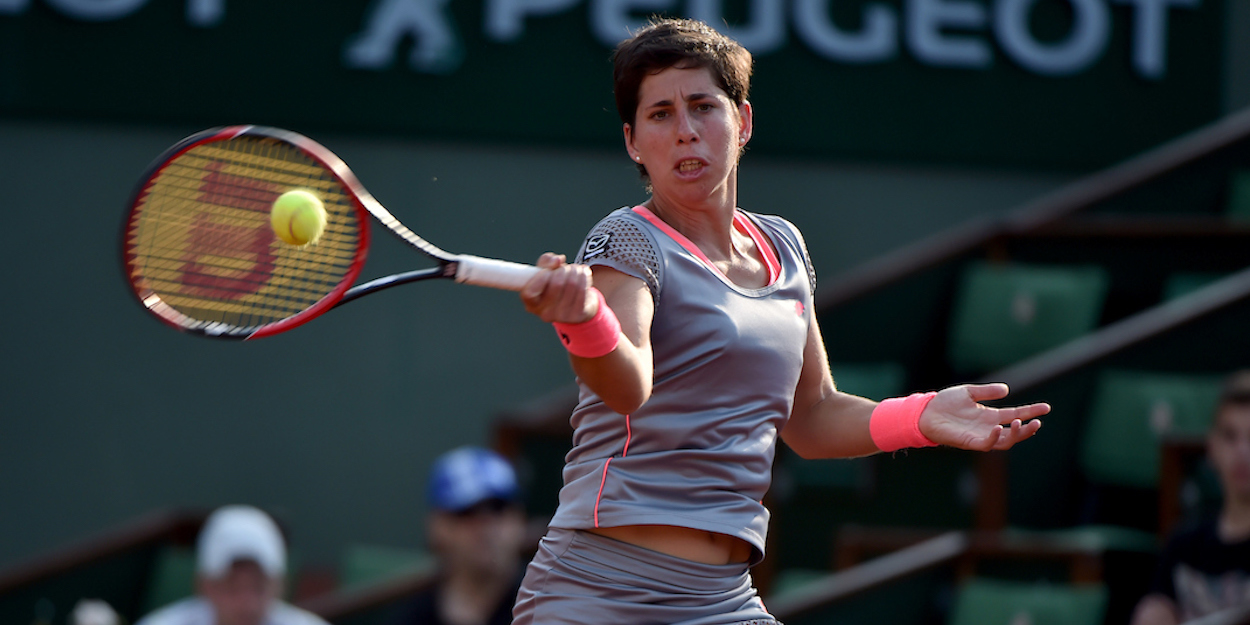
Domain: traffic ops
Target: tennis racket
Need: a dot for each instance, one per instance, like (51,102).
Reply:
(201,255)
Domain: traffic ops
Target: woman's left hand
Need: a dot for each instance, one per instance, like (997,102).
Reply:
(955,417)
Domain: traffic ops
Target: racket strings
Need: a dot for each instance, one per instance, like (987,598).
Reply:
(201,242)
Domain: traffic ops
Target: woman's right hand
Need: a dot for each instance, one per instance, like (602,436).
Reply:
(561,293)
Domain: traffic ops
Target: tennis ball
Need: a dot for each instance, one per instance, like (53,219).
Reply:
(298,217)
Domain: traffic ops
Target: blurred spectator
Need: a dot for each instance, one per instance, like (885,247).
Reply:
(476,530)
(240,574)
(1206,568)
(93,612)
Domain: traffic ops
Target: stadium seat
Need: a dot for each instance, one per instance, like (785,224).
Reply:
(1184,283)
(368,564)
(984,601)
(876,381)
(787,581)
(172,577)
(1005,313)
(1238,209)
(1129,415)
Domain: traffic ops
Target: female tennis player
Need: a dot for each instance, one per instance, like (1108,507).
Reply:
(692,334)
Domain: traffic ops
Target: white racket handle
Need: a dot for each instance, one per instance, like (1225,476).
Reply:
(496,274)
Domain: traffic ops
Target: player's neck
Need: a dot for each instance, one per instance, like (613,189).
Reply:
(709,226)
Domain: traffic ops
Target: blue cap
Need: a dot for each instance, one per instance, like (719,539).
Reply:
(467,476)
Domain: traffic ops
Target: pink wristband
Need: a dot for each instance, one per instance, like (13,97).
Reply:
(594,337)
(895,423)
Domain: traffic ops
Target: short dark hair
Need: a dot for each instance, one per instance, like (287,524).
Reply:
(680,43)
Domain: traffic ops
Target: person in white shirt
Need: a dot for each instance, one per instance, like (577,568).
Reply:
(240,576)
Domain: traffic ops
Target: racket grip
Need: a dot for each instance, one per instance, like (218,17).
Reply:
(496,274)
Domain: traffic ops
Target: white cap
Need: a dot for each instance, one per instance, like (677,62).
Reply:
(93,612)
(234,533)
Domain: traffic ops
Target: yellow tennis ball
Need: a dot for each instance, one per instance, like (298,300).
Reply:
(298,217)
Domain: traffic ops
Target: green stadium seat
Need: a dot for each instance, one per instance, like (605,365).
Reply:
(876,380)
(1005,313)
(368,564)
(1130,413)
(788,581)
(1238,209)
(1182,284)
(984,601)
(172,577)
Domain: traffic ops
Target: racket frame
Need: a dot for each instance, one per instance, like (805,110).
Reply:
(154,303)
(463,268)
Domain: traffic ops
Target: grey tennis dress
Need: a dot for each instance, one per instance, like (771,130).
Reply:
(698,454)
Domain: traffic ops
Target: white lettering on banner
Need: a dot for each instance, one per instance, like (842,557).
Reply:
(941,33)
(613,20)
(1091,29)
(436,48)
(876,40)
(505,19)
(927,18)
(96,10)
(13,7)
(765,33)
(1150,33)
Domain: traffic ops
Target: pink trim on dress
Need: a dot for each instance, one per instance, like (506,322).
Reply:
(741,223)
(676,236)
(766,249)
(603,480)
(629,434)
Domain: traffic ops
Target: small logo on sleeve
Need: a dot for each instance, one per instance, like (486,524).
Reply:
(597,245)
(799,308)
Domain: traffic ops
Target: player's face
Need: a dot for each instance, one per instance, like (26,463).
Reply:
(1228,446)
(687,132)
(242,596)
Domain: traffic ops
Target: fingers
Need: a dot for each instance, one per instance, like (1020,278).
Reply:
(1021,413)
(561,292)
(550,260)
(986,392)
(998,390)
(992,439)
(1032,410)
(533,289)
(1019,431)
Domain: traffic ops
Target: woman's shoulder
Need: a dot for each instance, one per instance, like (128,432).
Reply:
(622,226)
(625,212)
(625,241)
